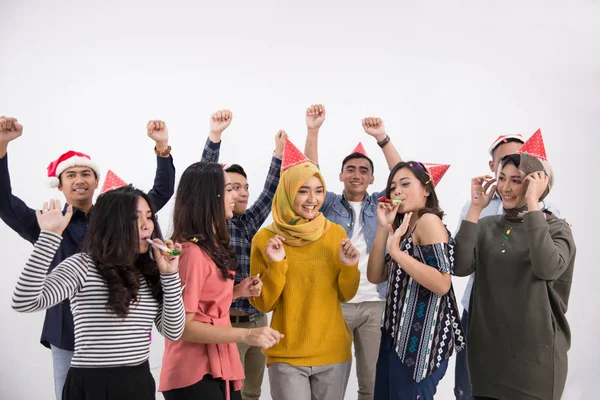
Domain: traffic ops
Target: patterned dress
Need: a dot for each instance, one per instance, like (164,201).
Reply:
(425,327)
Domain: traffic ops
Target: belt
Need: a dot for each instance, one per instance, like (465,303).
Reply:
(236,319)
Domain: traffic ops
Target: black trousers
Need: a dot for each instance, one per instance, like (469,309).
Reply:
(115,383)
(208,388)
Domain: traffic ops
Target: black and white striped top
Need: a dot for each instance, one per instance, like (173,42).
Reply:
(102,339)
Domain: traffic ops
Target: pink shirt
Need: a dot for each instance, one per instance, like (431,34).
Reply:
(207,294)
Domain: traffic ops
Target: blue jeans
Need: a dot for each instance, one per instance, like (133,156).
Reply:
(462,383)
(393,380)
(61,362)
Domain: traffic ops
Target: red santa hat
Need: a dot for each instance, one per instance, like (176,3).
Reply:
(291,156)
(360,149)
(436,171)
(112,181)
(534,146)
(67,160)
(503,139)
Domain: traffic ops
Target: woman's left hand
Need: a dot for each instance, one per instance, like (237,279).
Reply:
(249,287)
(537,184)
(348,253)
(167,264)
(394,238)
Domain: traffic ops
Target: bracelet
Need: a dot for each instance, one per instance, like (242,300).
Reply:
(164,154)
(249,332)
(384,141)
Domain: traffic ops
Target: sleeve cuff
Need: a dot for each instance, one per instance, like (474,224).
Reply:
(279,266)
(51,236)
(211,145)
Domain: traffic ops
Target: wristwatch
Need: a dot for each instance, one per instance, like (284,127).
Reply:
(384,141)
(163,154)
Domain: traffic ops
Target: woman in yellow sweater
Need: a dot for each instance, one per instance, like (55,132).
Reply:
(307,266)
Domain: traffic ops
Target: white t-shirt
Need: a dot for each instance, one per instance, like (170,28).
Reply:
(366,290)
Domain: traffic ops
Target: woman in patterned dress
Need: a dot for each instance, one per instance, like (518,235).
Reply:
(421,326)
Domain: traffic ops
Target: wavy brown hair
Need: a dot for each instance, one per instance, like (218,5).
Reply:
(432,204)
(112,241)
(199,214)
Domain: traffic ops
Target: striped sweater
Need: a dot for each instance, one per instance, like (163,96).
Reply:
(102,339)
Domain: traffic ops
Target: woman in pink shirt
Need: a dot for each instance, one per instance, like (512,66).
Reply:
(205,363)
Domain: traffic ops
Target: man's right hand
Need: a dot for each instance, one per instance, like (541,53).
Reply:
(10,129)
(219,121)
(315,116)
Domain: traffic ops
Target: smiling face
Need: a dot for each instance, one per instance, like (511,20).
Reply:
(78,185)
(145,223)
(240,185)
(309,198)
(356,175)
(407,187)
(229,197)
(511,187)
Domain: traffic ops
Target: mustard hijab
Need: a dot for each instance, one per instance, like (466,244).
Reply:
(296,231)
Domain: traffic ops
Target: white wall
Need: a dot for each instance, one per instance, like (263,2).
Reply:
(447,77)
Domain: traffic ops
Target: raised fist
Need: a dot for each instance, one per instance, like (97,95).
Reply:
(374,127)
(157,130)
(10,129)
(219,121)
(315,116)
(280,142)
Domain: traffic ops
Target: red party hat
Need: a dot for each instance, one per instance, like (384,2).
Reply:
(436,171)
(534,146)
(291,156)
(360,149)
(112,181)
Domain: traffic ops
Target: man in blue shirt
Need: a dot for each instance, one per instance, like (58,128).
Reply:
(242,227)
(76,175)
(356,211)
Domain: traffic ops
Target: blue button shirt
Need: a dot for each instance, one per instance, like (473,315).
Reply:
(58,327)
(337,209)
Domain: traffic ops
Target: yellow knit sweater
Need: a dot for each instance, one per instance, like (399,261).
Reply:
(304,292)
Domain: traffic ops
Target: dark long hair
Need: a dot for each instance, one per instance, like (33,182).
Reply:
(199,214)
(112,241)
(432,205)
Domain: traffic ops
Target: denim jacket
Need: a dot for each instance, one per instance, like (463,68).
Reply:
(337,209)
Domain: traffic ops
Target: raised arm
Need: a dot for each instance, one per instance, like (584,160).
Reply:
(374,126)
(13,211)
(465,255)
(551,250)
(315,116)
(36,289)
(272,266)
(376,270)
(260,210)
(429,231)
(219,121)
(164,179)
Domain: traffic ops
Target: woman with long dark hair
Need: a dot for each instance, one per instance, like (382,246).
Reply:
(421,326)
(206,363)
(523,261)
(117,289)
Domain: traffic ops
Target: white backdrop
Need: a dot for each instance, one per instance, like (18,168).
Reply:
(446,77)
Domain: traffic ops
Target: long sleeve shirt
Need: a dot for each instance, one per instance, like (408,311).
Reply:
(102,338)
(58,329)
(518,333)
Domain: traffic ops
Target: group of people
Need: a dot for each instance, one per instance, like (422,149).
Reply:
(372,270)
